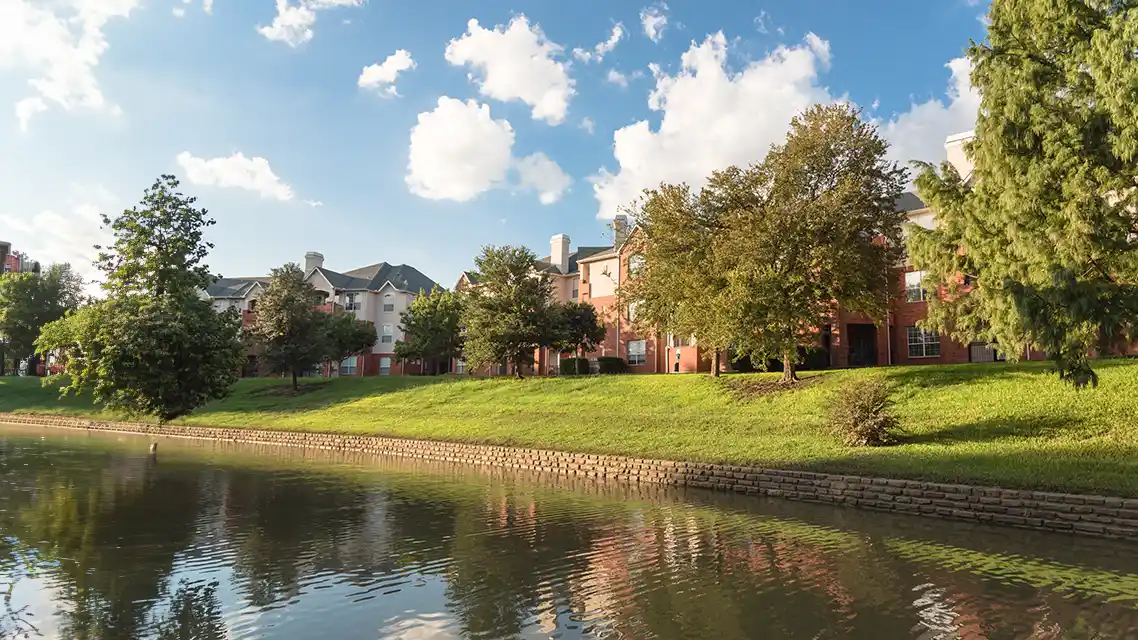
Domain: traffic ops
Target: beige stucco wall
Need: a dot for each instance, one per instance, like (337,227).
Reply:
(954,152)
(602,285)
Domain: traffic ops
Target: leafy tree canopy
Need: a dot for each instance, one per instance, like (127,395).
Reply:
(345,335)
(432,328)
(1046,226)
(28,301)
(575,327)
(289,327)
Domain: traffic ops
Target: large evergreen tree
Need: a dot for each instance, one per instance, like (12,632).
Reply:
(812,227)
(507,316)
(432,330)
(1046,226)
(153,346)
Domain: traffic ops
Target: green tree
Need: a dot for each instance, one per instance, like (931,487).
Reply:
(507,315)
(289,327)
(432,329)
(344,335)
(153,346)
(813,226)
(674,288)
(194,614)
(28,301)
(575,327)
(1046,226)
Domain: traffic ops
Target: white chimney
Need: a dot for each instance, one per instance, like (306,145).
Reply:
(559,252)
(619,230)
(312,260)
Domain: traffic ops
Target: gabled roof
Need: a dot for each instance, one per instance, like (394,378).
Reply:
(374,277)
(233,287)
(582,253)
(909,202)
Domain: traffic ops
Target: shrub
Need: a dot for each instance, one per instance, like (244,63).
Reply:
(609,364)
(859,414)
(574,366)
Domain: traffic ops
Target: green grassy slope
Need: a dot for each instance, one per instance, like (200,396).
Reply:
(1009,425)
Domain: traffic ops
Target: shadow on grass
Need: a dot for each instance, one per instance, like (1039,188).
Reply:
(996,429)
(936,376)
(274,395)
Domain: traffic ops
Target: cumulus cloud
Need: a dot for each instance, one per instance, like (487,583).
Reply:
(207,6)
(588,125)
(599,52)
(653,20)
(516,62)
(293,23)
(459,151)
(178,12)
(919,133)
(59,45)
(64,234)
(235,171)
(544,176)
(381,77)
(617,78)
(712,117)
(314,203)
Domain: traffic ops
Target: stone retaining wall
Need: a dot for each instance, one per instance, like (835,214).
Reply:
(1074,513)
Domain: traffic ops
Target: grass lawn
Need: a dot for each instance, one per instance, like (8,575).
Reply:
(1009,425)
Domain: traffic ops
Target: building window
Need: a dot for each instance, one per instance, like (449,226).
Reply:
(388,303)
(460,366)
(637,352)
(635,264)
(913,290)
(385,366)
(632,311)
(350,303)
(252,305)
(576,291)
(923,344)
(388,332)
(348,366)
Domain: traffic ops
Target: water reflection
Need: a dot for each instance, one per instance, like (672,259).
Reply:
(213,541)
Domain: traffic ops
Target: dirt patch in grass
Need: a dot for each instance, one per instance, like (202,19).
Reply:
(747,389)
(286,391)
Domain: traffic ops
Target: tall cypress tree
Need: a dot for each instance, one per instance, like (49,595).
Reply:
(1046,226)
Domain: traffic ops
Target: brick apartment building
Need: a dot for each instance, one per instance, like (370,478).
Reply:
(15,262)
(378,294)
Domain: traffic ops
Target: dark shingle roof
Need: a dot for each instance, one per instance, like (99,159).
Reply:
(342,281)
(231,287)
(373,277)
(909,202)
(545,265)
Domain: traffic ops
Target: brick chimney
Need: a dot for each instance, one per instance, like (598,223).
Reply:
(312,260)
(559,252)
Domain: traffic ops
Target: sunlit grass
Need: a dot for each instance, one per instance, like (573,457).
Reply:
(1010,425)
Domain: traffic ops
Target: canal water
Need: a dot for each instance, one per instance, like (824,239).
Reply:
(212,541)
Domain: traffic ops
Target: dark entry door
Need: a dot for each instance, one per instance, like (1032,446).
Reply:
(862,344)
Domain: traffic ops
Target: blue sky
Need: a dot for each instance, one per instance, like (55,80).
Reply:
(500,133)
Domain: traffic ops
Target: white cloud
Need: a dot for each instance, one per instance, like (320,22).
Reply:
(762,22)
(617,77)
(712,118)
(59,45)
(654,19)
(459,151)
(602,49)
(544,176)
(293,23)
(919,133)
(207,6)
(381,77)
(68,234)
(516,62)
(821,49)
(314,203)
(252,174)
(178,12)
(588,125)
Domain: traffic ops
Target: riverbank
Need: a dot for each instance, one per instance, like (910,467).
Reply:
(1014,426)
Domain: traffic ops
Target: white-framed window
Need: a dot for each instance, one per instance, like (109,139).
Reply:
(913,290)
(388,302)
(385,366)
(637,352)
(923,344)
(348,366)
(576,291)
(460,366)
(388,331)
(350,303)
(635,264)
(632,311)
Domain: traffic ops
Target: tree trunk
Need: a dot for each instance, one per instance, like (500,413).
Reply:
(715,365)
(295,386)
(789,374)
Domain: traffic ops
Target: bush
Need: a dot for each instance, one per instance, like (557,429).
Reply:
(860,416)
(574,366)
(609,364)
